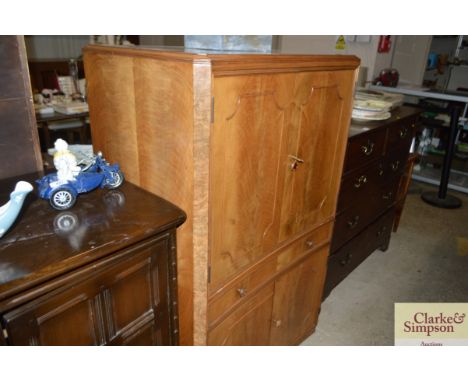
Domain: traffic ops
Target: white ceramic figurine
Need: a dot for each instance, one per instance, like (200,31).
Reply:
(65,162)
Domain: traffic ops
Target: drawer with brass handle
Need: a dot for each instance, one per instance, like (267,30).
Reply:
(354,252)
(358,215)
(368,148)
(400,136)
(364,148)
(240,289)
(358,186)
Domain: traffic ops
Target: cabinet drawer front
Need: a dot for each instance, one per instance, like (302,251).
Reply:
(308,243)
(249,324)
(364,148)
(359,185)
(355,218)
(240,290)
(400,135)
(353,253)
(110,302)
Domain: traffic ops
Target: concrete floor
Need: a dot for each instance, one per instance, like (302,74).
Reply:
(427,261)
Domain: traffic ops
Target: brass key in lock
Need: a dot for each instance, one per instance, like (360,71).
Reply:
(296,161)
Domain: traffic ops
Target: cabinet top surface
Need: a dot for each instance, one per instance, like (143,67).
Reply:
(222,57)
(44,243)
(400,113)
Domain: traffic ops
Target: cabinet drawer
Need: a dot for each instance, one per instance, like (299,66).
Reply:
(359,185)
(249,324)
(240,289)
(364,148)
(353,253)
(355,218)
(395,163)
(300,247)
(400,135)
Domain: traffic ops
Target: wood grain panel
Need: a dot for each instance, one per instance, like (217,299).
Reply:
(144,121)
(112,112)
(164,123)
(55,326)
(120,301)
(19,141)
(250,119)
(317,136)
(11,76)
(297,300)
(202,105)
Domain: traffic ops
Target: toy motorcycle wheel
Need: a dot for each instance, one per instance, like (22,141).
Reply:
(115,180)
(62,199)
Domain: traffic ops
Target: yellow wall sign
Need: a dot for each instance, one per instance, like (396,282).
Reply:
(340,43)
(431,324)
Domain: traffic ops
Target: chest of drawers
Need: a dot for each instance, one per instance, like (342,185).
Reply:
(376,158)
(102,273)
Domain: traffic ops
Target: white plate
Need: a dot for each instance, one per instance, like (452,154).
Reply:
(379,117)
(372,105)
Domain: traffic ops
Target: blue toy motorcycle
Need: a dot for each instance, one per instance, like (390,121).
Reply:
(97,173)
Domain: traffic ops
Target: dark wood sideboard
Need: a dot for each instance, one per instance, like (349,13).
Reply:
(101,273)
(376,160)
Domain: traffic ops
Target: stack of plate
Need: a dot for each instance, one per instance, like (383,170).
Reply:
(371,110)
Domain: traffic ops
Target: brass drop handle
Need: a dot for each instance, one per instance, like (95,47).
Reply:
(381,231)
(381,171)
(403,132)
(360,181)
(353,223)
(295,162)
(368,149)
(347,260)
(277,323)
(395,165)
(242,292)
(387,196)
(309,243)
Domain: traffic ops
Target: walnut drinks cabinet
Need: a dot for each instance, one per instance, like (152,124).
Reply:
(102,273)
(251,146)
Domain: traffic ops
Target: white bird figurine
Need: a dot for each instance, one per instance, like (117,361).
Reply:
(9,212)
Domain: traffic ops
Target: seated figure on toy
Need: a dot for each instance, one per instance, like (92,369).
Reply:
(65,162)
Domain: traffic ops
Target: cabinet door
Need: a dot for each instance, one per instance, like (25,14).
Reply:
(251,115)
(122,304)
(247,325)
(316,144)
(297,300)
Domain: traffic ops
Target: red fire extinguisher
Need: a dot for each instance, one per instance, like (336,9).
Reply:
(384,44)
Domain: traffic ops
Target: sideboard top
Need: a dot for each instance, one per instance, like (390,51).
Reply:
(227,60)
(44,243)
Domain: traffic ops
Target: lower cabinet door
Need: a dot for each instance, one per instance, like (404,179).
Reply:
(297,299)
(127,303)
(247,325)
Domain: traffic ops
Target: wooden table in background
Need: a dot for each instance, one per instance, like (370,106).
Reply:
(44,120)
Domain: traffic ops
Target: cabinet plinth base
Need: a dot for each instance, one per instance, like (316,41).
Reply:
(432,198)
